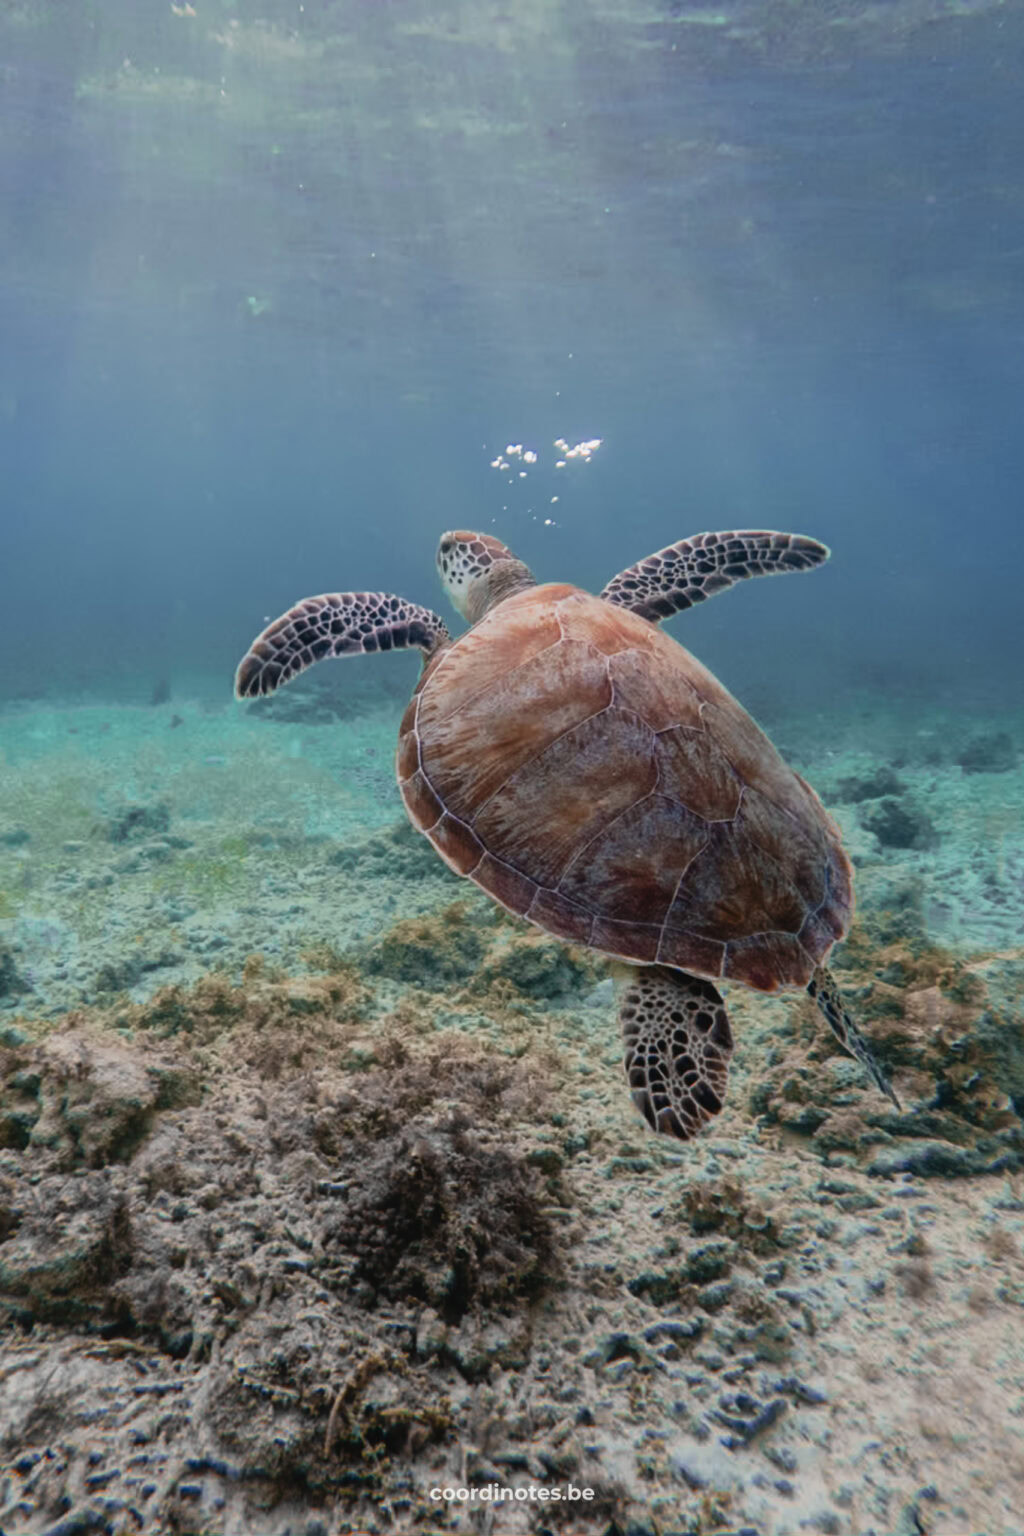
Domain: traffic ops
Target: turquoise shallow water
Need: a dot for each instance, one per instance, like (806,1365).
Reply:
(141,845)
(235,821)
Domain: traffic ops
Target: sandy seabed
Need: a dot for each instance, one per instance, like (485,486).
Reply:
(321,1188)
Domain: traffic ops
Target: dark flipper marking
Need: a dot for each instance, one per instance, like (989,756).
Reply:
(336,624)
(678,1043)
(824,988)
(696,568)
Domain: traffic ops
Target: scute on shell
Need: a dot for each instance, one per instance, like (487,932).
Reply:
(592,775)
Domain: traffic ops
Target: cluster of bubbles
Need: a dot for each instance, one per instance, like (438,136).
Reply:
(514,451)
(517,454)
(584,450)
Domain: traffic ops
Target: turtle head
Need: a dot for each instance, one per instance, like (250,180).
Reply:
(478,571)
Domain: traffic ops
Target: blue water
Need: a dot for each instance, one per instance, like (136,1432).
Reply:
(287,288)
(278,282)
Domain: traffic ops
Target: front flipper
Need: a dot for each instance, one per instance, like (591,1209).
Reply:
(337,624)
(824,988)
(678,1043)
(696,568)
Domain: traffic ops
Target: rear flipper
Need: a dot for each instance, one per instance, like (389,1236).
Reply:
(337,624)
(824,989)
(678,1043)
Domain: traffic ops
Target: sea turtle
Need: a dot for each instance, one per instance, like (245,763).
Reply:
(593,777)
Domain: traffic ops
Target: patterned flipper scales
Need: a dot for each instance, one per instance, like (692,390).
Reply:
(824,988)
(696,568)
(678,1043)
(336,624)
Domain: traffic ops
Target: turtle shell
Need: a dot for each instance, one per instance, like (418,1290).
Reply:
(589,774)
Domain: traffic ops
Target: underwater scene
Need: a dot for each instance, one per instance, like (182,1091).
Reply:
(565,1074)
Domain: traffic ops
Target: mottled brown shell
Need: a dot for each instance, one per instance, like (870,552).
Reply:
(592,776)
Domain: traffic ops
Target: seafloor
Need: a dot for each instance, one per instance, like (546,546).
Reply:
(320,1186)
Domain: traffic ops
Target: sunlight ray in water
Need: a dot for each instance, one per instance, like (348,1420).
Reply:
(573,1059)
